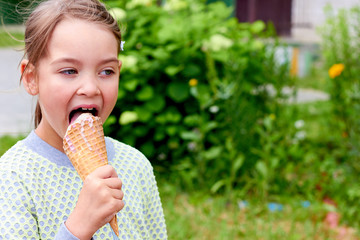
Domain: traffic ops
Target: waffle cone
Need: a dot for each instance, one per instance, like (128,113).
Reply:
(84,144)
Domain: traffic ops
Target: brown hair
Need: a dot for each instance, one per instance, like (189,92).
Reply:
(43,20)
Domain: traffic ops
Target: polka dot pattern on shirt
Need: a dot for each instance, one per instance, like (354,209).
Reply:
(37,195)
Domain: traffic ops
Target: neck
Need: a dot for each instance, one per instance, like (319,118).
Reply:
(49,135)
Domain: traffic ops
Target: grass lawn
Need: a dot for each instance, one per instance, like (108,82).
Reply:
(6,142)
(7,40)
(206,218)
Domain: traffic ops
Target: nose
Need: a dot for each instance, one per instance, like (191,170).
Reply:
(89,86)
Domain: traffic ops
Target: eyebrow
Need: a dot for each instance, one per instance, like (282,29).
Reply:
(75,61)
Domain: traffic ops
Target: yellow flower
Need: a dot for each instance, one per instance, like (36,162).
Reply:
(272,116)
(336,70)
(193,82)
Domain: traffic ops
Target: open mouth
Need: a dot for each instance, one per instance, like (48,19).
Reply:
(77,112)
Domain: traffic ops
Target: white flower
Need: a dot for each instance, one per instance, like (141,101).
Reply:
(214,109)
(162,156)
(218,42)
(300,135)
(299,124)
(191,146)
(118,13)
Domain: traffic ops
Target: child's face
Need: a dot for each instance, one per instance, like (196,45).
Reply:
(80,70)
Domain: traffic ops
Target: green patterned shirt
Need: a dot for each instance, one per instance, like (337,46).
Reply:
(39,188)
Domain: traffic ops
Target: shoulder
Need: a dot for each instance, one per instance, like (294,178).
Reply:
(15,156)
(124,149)
(15,164)
(128,155)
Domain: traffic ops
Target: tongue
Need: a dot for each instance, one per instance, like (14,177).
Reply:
(75,116)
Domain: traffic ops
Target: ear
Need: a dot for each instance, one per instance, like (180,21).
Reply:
(28,77)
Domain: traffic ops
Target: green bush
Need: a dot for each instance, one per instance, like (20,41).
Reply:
(341,51)
(193,89)
(12,11)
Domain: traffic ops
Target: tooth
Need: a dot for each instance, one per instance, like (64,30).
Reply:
(87,109)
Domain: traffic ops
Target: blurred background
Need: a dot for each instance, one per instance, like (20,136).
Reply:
(247,109)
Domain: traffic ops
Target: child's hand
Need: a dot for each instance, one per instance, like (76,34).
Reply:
(99,200)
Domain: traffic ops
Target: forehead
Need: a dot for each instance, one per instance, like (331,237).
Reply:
(74,36)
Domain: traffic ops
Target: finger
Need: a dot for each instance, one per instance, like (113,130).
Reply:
(117,194)
(114,183)
(116,206)
(106,171)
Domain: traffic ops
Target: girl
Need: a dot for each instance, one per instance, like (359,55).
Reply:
(71,65)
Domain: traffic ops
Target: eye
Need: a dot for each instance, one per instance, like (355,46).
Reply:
(68,71)
(107,72)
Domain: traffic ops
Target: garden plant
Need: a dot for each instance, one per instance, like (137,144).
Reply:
(194,94)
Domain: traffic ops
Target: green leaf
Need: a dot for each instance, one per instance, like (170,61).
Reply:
(128,117)
(261,168)
(257,27)
(121,93)
(146,93)
(148,149)
(141,131)
(202,93)
(159,134)
(213,152)
(210,126)
(161,54)
(218,185)
(239,161)
(110,120)
(191,70)
(130,85)
(143,114)
(192,120)
(173,116)
(161,119)
(172,70)
(193,136)
(178,91)
(171,130)
(156,104)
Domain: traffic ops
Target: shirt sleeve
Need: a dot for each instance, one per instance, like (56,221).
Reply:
(64,233)
(18,213)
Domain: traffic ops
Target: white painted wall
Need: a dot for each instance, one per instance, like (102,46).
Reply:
(307,15)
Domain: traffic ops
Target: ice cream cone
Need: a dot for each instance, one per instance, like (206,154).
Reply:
(84,144)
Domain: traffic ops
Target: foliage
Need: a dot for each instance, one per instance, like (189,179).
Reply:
(341,51)
(12,11)
(193,89)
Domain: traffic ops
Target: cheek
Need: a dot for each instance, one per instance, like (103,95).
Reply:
(53,98)
(111,97)
(111,93)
